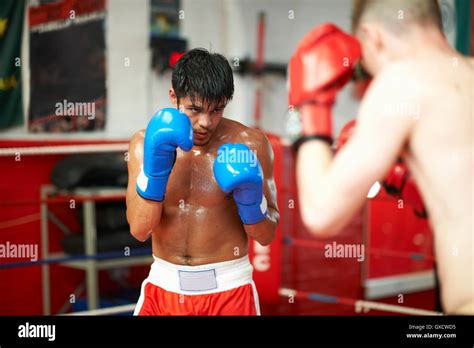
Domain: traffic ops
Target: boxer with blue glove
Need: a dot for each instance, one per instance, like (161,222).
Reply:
(197,187)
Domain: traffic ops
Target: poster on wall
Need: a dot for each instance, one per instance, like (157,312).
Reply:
(166,45)
(67,64)
(165,18)
(11,27)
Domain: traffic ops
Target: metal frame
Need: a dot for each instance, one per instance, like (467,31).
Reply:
(399,284)
(90,265)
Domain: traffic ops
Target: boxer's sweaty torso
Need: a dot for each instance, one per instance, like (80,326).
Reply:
(440,156)
(199,222)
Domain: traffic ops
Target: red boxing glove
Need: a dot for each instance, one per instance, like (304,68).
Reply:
(321,65)
(346,133)
(399,183)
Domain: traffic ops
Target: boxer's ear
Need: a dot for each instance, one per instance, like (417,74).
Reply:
(371,38)
(173,98)
(371,34)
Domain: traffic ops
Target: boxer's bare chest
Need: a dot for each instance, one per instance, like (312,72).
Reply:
(192,181)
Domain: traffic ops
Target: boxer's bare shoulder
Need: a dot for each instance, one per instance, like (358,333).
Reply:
(237,132)
(135,147)
(401,80)
(134,159)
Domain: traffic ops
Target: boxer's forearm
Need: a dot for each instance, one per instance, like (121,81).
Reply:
(143,215)
(313,162)
(264,231)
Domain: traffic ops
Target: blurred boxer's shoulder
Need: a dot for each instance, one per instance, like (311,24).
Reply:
(470,60)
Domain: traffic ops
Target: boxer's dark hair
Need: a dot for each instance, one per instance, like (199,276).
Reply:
(204,76)
(397,15)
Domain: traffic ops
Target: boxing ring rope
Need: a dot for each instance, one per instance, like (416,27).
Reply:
(106,255)
(65,198)
(106,311)
(63,149)
(26,219)
(358,304)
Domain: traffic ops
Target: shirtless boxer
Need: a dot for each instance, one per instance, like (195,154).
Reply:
(419,106)
(176,195)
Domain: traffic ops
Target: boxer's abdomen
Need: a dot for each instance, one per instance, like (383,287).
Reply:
(197,235)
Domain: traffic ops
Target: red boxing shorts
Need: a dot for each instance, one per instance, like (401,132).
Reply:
(223,288)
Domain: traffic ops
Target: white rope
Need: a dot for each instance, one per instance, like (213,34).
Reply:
(63,149)
(366,305)
(107,311)
(359,306)
(285,292)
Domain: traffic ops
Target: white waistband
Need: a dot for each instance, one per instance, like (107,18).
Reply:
(226,275)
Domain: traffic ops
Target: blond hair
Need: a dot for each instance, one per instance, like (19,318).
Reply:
(399,16)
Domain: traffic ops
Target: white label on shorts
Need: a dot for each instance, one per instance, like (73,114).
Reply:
(198,280)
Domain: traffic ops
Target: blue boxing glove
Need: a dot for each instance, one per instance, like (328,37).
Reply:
(167,129)
(237,170)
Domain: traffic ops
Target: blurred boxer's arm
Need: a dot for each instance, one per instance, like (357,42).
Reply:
(142,214)
(466,309)
(331,190)
(264,231)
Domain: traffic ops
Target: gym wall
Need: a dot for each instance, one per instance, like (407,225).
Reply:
(229,27)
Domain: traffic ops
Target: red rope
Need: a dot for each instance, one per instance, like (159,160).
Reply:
(19,221)
(64,199)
